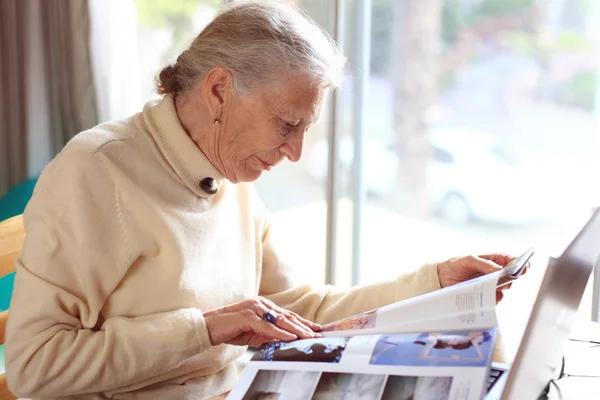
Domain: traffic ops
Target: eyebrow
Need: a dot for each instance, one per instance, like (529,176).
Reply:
(295,118)
(289,116)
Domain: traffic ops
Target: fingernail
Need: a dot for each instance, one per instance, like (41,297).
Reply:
(318,335)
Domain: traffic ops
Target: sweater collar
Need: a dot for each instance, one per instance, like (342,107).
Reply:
(180,151)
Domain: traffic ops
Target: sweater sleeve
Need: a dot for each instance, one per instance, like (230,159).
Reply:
(78,248)
(327,304)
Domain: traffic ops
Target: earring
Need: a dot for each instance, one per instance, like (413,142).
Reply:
(215,121)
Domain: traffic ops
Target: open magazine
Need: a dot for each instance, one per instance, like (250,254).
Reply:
(431,347)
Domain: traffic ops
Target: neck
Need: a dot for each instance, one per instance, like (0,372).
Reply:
(197,121)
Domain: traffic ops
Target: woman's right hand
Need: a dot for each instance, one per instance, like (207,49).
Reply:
(242,324)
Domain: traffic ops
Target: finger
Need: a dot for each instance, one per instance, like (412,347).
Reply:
(311,326)
(500,259)
(479,265)
(268,329)
(499,296)
(289,313)
(250,339)
(294,326)
(505,259)
(286,324)
(297,321)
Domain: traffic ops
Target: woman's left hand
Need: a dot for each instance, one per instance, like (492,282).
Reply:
(460,269)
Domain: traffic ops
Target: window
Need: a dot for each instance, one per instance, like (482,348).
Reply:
(479,115)
(165,28)
(295,193)
(510,89)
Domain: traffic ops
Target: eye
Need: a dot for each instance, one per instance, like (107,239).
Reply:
(287,127)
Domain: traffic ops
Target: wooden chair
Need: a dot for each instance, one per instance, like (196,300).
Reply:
(12,235)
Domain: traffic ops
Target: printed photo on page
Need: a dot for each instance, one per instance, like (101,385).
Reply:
(361,321)
(417,388)
(328,350)
(305,385)
(279,385)
(370,386)
(449,349)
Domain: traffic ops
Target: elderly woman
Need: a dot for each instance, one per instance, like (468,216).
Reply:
(150,262)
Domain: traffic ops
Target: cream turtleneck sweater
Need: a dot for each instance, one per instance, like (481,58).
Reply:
(124,251)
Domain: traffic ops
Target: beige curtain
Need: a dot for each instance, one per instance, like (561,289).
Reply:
(66,85)
(13,93)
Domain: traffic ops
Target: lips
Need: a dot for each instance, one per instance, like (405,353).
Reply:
(266,165)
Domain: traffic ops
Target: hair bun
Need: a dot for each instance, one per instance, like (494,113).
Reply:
(168,80)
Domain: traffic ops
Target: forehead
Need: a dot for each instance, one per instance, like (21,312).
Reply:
(296,97)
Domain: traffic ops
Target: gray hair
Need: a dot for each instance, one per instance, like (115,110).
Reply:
(257,42)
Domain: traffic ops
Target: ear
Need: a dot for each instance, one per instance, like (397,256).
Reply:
(218,85)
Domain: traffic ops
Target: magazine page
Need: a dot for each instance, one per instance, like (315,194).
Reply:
(417,366)
(470,304)
(467,305)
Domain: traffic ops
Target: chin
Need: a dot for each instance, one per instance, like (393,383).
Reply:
(255,177)
(249,177)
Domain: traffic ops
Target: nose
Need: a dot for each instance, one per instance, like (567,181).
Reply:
(292,149)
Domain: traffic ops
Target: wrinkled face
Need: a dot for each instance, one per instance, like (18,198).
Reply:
(259,130)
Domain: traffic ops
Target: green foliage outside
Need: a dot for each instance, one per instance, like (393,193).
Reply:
(500,8)
(176,16)
(579,91)
(572,41)
(165,13)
